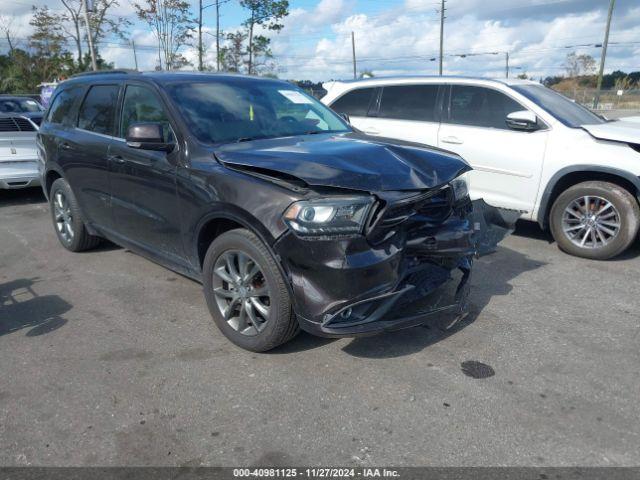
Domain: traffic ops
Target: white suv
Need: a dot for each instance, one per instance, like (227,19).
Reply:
(531,149)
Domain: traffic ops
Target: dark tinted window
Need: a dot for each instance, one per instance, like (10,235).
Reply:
(98,108)
(354,103)
(141,104)
(481,107)
(62,105)
(568,112)
(409,102)
(19,105)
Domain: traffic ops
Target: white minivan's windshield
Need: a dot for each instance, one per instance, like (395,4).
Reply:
(232,110)
(568,112)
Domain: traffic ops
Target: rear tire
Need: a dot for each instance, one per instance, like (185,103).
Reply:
(596,220)
(246,293)
(68,222)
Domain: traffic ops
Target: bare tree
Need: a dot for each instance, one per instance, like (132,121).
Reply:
(7,30)
(102,23)
(172,26)
(577,65)
(74,18)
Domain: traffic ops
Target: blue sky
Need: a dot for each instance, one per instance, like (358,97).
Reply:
(401,36)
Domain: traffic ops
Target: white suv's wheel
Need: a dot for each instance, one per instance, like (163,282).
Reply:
(597,220)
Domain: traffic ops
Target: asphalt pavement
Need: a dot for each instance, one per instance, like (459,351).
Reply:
(109,359)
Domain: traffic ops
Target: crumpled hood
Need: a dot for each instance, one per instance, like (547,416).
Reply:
(348,160)
(620,131)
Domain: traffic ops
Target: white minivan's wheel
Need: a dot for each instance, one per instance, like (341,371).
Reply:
(246,292)
(595,219)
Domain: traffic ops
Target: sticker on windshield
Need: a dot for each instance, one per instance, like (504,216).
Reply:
(295,97)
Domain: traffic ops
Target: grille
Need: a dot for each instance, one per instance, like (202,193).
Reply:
(16,124)
(431,207)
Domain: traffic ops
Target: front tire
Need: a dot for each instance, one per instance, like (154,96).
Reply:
(67,219)
(246,293)
(596,220)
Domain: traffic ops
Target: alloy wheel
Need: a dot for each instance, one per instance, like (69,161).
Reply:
(591,222)
(63,216)
(241,292)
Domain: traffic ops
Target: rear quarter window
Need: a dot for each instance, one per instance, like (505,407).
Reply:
(61,109)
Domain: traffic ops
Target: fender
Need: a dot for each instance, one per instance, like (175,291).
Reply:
(546,196)
(248,221)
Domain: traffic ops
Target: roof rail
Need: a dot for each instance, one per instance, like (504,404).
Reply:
(102,72)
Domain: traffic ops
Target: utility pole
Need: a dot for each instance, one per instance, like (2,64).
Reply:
(94,64)
(441,33)
(507,67)
(353,50)
(217,35)
(596,100)
(135,57)
(200,36)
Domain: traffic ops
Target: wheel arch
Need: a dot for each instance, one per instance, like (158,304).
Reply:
(219,221)
(52,174)
(575,174)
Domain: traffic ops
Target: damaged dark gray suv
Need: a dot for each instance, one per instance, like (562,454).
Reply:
(288,216)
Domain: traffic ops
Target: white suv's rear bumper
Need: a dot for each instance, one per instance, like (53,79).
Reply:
(20,174)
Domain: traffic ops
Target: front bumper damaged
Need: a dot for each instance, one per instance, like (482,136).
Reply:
(394,277)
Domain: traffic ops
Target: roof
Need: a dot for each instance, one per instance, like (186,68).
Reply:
(162,76)
(417,78)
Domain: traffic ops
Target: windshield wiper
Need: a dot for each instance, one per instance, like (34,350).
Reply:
(244,139)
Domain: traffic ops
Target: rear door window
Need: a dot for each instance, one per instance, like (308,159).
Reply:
(97,112)
(62,106)
(480,107)
(409,102)
(354,103)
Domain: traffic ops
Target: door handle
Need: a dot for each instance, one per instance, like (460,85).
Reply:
(66,146)
(117,159)
(452,140)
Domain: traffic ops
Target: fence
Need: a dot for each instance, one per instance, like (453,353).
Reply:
(611,99)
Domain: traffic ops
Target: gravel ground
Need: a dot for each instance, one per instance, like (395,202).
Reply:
(109,359)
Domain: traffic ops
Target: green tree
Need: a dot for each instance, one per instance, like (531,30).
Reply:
(268,15)
(49,58)
(232,55)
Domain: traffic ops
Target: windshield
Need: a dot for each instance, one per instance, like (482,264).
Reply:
(237,109)
(568,112)
(19,105)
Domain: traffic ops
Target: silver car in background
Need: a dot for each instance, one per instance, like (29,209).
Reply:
(18,152)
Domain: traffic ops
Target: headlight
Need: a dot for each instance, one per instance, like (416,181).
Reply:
(329,216)
(460,187)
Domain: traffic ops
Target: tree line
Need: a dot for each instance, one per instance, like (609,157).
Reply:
(58,46)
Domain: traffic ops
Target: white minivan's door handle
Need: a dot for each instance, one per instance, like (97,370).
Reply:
(371,131)
(453,140)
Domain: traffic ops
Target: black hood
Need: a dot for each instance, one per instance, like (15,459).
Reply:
(348,160)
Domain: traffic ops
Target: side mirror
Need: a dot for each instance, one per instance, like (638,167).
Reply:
(523,120)
(148,136)
(345,117)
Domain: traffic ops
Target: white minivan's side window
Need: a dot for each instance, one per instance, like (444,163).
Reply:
(480,107)
(409,102)
(355,103)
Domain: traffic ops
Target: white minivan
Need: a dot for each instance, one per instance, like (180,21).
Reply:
(531,149)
